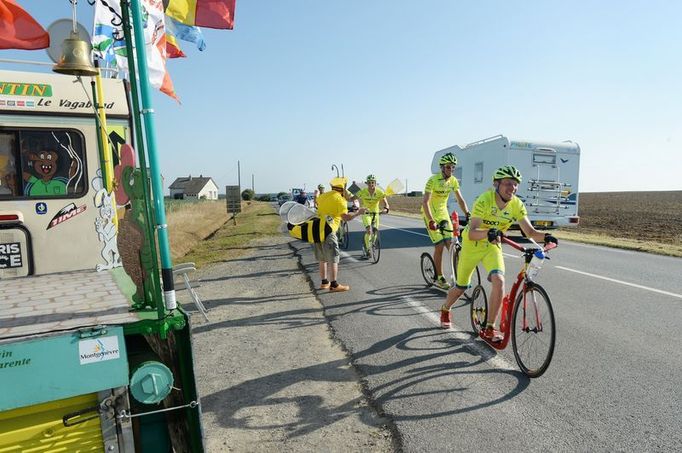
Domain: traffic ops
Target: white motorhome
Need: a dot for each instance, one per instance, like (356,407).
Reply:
(550,175)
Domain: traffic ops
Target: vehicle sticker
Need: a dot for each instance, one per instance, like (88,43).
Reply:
(41,208)
(67,212)
(98,349)
(10,255)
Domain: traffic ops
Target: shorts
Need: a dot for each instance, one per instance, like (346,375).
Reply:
(328,251)
(367,218)
(436,236)
(474,252)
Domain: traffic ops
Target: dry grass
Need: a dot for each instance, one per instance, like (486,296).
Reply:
(646,221)
(191,222)
(225,240)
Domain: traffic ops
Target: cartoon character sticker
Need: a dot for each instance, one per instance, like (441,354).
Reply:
(104,225)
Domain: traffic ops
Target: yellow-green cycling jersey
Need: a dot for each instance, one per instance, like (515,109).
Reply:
(440,189)
(482,251)
(370,200)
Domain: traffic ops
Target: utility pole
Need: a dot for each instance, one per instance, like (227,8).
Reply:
(253,186)
(239,177)
(406,187)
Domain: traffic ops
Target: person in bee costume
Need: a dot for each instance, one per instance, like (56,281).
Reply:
(332,207)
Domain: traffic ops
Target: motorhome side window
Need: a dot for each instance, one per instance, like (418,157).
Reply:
(42,163)
(478,172)
(549,159)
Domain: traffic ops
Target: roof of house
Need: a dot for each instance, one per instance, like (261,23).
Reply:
(191,184)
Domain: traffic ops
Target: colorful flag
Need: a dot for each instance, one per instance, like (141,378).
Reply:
(108,41)
(18,30)
(173,49)
(203,13)
(185,32)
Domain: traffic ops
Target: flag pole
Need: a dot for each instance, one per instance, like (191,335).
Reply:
(140,148)
(150,133)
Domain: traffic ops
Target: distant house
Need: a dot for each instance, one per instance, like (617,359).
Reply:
(193,187)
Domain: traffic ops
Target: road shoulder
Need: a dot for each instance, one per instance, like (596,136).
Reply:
(270,374)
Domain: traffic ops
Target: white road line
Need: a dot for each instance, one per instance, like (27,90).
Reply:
(659,291)
(406,231)
(497,360)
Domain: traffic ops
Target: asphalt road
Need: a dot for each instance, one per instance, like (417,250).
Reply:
(615,382)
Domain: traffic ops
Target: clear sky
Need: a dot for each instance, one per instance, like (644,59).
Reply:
(380,85)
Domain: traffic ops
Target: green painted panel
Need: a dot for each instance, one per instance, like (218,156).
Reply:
(60,366)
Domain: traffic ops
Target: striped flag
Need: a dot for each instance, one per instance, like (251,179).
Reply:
(203,13)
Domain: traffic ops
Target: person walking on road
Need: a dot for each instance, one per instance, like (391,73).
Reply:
(332,207)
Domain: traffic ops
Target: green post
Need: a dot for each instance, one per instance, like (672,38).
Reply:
(140,148)
(150,132)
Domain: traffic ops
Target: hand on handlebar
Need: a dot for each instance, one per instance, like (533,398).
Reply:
(549,239)
(494,235)
(386,210)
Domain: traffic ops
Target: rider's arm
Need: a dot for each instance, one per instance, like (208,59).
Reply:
(351,215)
(462,204)
(475,231)
(385,200)
(426,206)
(530,231)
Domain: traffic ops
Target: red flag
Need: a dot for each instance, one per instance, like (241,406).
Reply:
(18,30)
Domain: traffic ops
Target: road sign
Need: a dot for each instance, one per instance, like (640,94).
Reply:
(233,197)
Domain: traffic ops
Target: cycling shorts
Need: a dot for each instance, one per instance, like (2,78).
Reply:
(367,218)
(436,236)
(474,252)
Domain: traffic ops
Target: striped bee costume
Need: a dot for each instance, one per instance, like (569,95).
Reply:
(313,231)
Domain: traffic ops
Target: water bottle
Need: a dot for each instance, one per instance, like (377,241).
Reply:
(535,264)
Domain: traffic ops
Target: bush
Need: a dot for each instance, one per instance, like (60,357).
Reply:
(248,194)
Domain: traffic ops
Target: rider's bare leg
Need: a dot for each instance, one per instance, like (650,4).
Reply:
(454,294)
(497,281)
(438,257)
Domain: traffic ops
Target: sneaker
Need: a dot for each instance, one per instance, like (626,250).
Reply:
(364,256)
(441,283)
(491,334)
(339,288)
(445,319)
(325,285)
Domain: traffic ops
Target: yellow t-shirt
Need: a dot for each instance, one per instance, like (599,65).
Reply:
(330,206)
(370,201)
(440,189)
(486,209)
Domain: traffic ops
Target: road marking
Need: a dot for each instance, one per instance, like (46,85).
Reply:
(659,291)
(406,231)
(496,360)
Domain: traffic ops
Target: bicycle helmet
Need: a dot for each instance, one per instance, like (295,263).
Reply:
(320,186)
(371,178)
(508,171)
(447,158)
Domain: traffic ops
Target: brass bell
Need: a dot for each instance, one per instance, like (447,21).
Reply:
(75,59)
